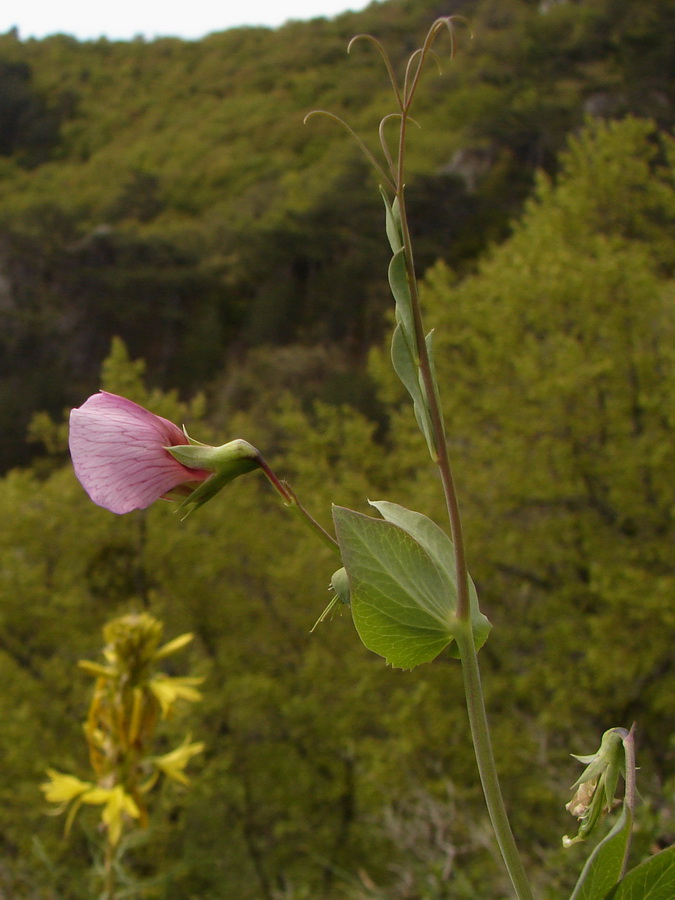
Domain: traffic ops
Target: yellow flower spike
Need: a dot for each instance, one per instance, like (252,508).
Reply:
(173,646)
(167,690)
(136,715)
(173,764)
(129,696)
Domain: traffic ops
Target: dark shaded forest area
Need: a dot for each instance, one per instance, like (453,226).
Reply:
(171,231)
(168,192)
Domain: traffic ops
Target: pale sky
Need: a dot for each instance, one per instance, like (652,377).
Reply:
(126,19)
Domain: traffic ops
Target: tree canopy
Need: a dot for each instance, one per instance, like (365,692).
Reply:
(556,361)
(167,191)
(181,210)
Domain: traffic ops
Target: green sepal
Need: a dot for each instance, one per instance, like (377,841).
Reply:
(339,584)
(596,788)
(214,459)
(209,488)
(227,462)
(608,760)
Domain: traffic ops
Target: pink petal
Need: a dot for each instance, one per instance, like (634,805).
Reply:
(118,454)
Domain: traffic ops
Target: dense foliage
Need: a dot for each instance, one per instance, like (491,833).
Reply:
(325,773)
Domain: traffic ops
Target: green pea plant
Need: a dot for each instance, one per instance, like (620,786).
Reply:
(407,583)
(404,579)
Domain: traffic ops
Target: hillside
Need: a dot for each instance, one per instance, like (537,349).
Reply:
(168,191)
(170,194)
(325,772)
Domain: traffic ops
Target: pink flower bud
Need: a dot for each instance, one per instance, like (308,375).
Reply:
(120,457)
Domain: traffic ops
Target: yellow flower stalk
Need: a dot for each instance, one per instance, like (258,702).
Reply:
(130,697)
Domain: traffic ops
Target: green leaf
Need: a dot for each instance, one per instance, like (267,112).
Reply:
(654,879)
(392,222)
(604,866)
(404,351)
(398,282)
(428,340)
(440,548)
(402,601)
(407,370)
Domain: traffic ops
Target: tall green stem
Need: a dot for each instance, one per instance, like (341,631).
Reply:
(471,673)
(436,415)
(472,683)
(109,872)
(487,768)
(442,459)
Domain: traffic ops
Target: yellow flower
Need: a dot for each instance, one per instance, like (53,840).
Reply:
(65,789)
(167,690)
(62,788)
(173,764)
(96,669)
(173,646)
(118,804)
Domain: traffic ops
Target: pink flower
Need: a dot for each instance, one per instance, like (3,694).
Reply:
(120,457)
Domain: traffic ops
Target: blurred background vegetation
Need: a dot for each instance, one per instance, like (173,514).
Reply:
(171,231)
